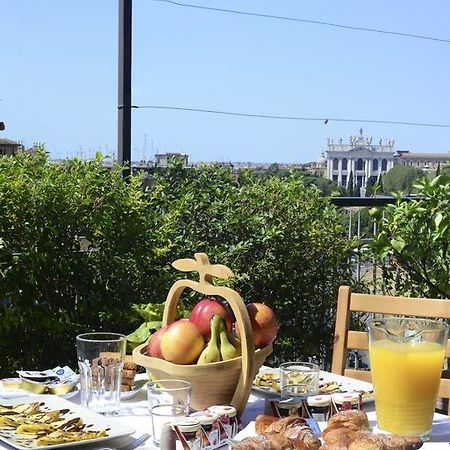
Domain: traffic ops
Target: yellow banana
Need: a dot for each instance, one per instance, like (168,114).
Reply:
(227,349)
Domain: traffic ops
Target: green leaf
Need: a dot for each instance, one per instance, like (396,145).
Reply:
(398,244)
(438,219)
(141,334)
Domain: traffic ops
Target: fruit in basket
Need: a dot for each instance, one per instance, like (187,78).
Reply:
(264,324)
(154,343)
(203,312)
(227,349)
(182,342)
(211,353)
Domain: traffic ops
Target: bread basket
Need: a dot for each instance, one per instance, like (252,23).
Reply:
(224,382)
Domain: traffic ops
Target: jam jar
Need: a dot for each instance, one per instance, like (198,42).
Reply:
(227,418)
(187,431)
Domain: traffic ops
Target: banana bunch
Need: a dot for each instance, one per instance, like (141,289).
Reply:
(219,347)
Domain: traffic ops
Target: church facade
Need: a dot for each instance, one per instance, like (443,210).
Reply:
(358,160)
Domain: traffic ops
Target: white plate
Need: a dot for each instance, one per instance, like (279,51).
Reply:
(347,384)
(17,393)
(134,390)
(115,428)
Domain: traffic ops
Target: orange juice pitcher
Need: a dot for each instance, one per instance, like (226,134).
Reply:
(406,360)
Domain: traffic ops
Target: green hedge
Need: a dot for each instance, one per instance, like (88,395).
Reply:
(286,244)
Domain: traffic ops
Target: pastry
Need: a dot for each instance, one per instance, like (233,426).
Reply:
(370,441)
(263,422)
(288,433)
(350,418)
(349,430)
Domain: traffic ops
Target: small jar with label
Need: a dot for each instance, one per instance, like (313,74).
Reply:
(209,422)
(187,431)
(347,400)
(227,418)
(319,406)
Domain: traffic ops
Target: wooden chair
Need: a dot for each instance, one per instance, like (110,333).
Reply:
(345,339)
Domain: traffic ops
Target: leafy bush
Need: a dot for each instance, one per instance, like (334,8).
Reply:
(285,243)
(50,290)
(401,178)
(412,244)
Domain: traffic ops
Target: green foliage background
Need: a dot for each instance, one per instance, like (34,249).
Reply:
(412,245)
(286,244)
(401,179)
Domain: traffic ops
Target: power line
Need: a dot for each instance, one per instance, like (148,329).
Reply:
(296,19)
(326,120)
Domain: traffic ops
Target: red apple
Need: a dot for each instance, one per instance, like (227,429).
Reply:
(182,342)
(204,310)
(264,324)
(154,343)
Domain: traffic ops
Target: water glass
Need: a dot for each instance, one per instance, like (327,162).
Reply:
(167,401)
(100,360)
(299,380)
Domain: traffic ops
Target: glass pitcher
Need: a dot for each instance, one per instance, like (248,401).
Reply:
(406,360)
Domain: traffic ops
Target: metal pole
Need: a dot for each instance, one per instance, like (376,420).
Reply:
(124,101)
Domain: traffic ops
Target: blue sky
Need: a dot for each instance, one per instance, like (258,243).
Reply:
(58,81)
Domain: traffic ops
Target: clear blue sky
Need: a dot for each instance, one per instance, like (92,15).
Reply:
(58,77)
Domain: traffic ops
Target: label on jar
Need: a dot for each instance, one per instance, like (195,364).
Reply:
(228,422)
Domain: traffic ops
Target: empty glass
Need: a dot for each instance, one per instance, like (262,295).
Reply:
(100,360)
(167,400)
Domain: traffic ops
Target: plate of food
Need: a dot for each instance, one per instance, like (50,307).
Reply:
(344,429)
(18,387)
(267,382)
(49,421)
(131,391)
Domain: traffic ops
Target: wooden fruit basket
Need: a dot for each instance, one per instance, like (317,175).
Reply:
(218,383)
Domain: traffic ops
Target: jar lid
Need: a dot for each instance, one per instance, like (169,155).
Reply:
(352,397)
(186,424)
(205,417)
(223,410)
(319,400)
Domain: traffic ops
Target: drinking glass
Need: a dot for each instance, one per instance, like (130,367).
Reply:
(406,360)
(100,360)
(167,400)
(299,380)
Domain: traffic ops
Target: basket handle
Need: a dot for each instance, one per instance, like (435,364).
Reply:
(205,287)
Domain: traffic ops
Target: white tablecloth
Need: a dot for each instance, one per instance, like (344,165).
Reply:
(134,412)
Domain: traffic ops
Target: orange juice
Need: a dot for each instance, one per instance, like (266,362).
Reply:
(406,377)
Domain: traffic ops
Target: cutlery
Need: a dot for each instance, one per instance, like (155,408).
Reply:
(136,443)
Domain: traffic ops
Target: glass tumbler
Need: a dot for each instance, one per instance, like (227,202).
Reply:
(299,380)
(100,360)
(167,401)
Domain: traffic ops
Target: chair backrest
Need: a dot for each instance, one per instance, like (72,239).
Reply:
(345,339)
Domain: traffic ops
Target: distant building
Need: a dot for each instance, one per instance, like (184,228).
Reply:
(8,147)
(359,160)
(429,162)
(162,159)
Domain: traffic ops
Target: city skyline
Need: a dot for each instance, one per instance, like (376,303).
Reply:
(59,85)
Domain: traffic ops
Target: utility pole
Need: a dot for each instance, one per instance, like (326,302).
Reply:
(124,101)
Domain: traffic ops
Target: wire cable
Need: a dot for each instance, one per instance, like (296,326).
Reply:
(326,120)
(296,19)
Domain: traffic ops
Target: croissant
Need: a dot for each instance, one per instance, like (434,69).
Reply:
(370,441)
(348,430)
(265,442)
(263,422)
(288,433)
